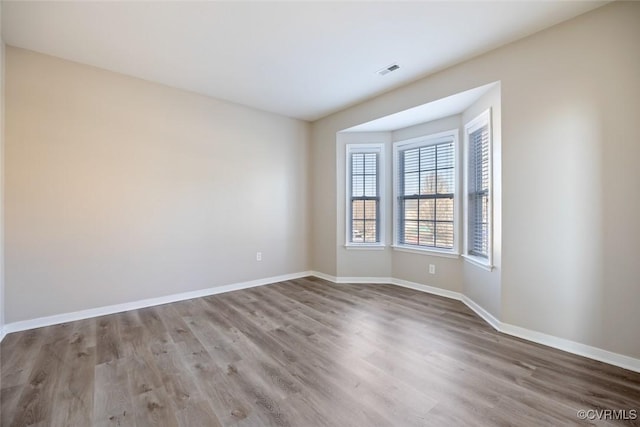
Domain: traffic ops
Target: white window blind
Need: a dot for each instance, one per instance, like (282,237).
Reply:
(426,192)
(478,176)
(479,181)
(364,200)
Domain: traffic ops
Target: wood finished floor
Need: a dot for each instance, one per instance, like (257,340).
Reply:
(299,353)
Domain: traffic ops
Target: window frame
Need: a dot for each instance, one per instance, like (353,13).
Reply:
(357,148)
(478,122)
(423,141)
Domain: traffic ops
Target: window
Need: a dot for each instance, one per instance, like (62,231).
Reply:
(364,208)
(478,189)
(426,193)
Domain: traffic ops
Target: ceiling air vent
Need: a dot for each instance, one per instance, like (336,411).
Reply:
(388,69)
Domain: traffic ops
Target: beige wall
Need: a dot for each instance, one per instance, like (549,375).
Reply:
(571,234)
(323,213)
(118,189)
(570,199)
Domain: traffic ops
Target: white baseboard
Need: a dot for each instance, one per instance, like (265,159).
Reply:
(426,288)
(324,276)
(573,347)
(374,280)
(563,344)
(389,280)
(569,346)
(334,279)
(484,314)
(118,308)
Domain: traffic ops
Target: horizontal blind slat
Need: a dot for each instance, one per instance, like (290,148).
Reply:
(478,192)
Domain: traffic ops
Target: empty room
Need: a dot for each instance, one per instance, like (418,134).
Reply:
(314,213)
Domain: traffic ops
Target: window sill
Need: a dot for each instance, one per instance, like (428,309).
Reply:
(430,252)
(478,262)
(365,247)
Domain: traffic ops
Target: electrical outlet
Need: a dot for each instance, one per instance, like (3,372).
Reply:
(258,256)
(432,269)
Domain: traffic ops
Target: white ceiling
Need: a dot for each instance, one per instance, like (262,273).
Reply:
(301,59)
(439,109)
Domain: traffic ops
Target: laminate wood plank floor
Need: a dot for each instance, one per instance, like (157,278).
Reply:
(304,352)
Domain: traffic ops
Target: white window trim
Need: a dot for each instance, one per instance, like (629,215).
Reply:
(365,148)
(365,246)
(425,251)
(479,262)
(481,120)
(422,141)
